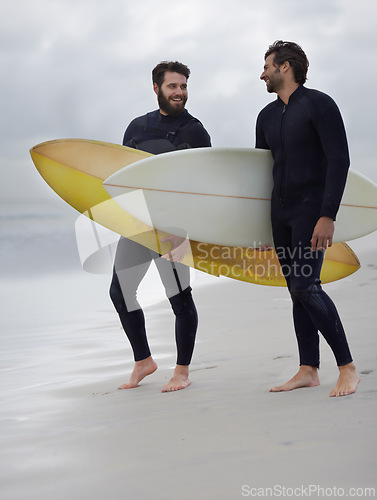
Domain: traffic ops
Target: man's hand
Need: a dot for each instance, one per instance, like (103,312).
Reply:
(264,248)
(323,234)
(179,250)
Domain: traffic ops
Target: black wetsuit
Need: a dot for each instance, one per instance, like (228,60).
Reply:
(309,146)
(156,133)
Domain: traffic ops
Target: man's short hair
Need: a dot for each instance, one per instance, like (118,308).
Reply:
(158,73)
(293,53)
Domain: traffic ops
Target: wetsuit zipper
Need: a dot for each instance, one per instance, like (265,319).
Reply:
(281,193)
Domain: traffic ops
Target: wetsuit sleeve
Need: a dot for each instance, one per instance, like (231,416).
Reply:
(194,135)
(135,129)
(260,140)
(332,134)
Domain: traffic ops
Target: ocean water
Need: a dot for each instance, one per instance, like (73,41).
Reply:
(36,239)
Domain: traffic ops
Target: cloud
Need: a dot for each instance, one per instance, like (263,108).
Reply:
(82,68)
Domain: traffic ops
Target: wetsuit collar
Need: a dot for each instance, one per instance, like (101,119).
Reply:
(294,94)
(171,118)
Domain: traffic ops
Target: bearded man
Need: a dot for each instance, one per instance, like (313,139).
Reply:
(166,129)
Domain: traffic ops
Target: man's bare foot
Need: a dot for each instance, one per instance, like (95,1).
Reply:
(307,376)
(179,380)
(347,382)
(141,369)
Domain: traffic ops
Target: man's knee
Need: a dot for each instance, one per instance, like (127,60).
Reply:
(310,296)
(182,302)
(116,296)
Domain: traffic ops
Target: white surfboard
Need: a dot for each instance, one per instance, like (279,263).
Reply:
(222,196)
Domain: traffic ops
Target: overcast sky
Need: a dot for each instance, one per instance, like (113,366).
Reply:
(82,68)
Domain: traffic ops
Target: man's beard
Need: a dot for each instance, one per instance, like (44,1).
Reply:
(275,83)
(168,107)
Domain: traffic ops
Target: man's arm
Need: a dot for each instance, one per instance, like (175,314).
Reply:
(134,131)
(332,134)
(260,140)
(194,135)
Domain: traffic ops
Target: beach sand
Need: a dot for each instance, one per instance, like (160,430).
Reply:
(67,432)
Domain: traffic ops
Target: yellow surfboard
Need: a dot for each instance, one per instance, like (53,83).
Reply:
(76,168)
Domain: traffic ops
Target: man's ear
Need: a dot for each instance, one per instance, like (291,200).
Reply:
(156,88)
(285,66)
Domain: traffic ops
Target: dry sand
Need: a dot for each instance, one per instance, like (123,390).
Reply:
(67,432)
